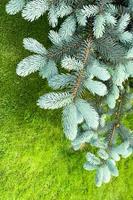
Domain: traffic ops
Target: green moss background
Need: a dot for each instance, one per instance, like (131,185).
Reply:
(36,162)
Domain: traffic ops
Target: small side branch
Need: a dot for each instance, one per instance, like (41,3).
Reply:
(117,119)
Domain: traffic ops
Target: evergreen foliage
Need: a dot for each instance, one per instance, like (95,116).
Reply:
(93,48)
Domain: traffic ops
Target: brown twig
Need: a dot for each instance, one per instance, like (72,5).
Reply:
(117,119)
(80,76)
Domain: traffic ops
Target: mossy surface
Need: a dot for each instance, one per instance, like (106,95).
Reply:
(36,161)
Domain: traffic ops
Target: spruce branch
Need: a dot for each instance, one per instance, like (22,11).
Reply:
(91,48)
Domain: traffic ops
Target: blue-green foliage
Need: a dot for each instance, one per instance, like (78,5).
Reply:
(30,64)
(70,122)
(84,108)
(91,57)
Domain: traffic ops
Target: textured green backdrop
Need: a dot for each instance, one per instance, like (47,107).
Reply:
(36,162)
